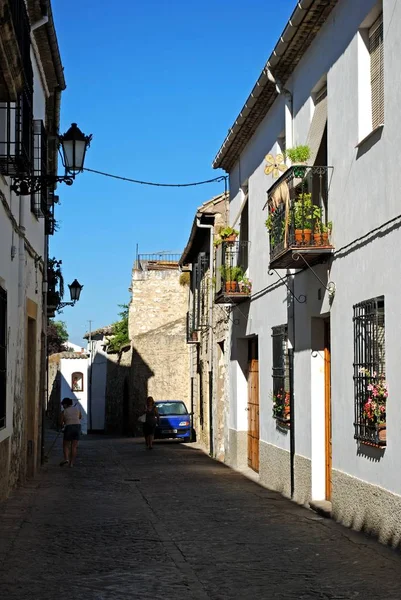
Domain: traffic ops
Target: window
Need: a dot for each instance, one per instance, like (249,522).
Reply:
(39,200)
(377,71)
(370,372)
(171,408)
(199,292)
(3,357)
(77,382)
(281,375)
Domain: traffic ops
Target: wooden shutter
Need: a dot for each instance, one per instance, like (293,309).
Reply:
(318,124)
(376,71)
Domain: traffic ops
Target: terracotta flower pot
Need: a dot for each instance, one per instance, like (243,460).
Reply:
(321,239)
(303,237)
(231,286)
(382,432)
(230,239)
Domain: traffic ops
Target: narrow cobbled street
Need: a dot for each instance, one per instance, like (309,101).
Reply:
(172,523)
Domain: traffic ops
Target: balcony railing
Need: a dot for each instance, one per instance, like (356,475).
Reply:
(298,217)
(157,262)
(232,285)
(16,137)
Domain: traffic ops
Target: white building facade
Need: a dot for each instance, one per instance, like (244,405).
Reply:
(31,83)
(320,332)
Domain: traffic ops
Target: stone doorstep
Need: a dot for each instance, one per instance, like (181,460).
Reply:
(322,507)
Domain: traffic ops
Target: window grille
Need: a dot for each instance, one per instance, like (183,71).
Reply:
(16,139)
(377,71)
(281,375)
(200,292)
(370,371)
(3,357)
(39,200)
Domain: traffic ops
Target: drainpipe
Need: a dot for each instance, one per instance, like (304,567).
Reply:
(210,357)
(44,365)
(39,23)
(21,251)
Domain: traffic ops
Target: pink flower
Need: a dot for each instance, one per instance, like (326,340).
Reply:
(370,387)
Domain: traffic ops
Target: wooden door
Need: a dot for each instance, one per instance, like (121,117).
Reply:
(253,415)
(327,394)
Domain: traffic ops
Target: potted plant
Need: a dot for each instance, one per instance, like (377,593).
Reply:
(54,280)
(299,155)
(321,230)
(231,275)
(245,285)
(281,404)
(303,219)
(374,409)
(53,299)
(227,234)
(272,223)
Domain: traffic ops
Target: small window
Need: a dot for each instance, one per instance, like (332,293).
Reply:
(281,394)
(370,372)
(3,357)
(77,382)
(377,71)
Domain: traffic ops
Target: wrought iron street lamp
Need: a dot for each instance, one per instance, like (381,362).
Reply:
(75,293)
(74,145)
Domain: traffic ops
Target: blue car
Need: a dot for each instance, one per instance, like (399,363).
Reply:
(175,421)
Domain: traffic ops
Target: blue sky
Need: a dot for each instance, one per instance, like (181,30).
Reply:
(158,84)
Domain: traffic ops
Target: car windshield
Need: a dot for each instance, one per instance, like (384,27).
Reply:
(171,408)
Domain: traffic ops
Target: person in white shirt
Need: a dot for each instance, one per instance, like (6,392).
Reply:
(71,420)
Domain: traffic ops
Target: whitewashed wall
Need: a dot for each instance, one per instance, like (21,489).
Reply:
(21,276)
(363,195)
(68,366)
(98,384)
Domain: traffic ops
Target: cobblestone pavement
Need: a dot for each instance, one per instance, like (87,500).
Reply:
(128,523)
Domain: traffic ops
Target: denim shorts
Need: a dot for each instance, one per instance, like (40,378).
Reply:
(72,433)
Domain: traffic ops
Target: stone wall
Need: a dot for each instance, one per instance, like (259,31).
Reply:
(157,300)
(118,403)
(157,328)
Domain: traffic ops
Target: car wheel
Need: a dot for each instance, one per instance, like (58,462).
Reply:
(186,439)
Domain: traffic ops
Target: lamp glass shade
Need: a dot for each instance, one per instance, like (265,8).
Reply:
(75,290)
(74,145)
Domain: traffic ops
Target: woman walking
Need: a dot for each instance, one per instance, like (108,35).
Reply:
(151,419)
(70,419)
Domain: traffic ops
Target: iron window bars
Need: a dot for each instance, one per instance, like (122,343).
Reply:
(3,356)
(200,286)
(192,334)
(370,371)
(16,143)
(16,138)
(281,375)
(39,199)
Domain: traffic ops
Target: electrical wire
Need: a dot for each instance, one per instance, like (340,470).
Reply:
(175,185)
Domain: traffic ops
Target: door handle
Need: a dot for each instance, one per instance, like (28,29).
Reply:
(247,409)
